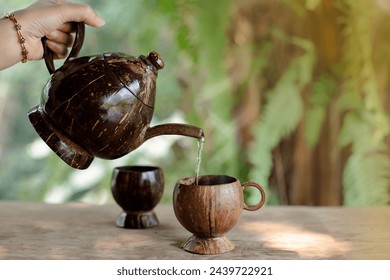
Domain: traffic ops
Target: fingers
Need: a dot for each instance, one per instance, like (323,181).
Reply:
(60,50)
(59,41)
(60,37)
(67,27)
(82,13)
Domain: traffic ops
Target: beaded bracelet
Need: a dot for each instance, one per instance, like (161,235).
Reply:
(21,38)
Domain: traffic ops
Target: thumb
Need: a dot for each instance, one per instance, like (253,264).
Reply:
(81,13)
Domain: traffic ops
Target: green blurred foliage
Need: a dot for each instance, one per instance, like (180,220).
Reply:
(199,86)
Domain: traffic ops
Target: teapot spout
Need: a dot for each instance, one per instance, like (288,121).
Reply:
(174,129)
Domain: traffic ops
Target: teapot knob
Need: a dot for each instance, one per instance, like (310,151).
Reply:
(77,44)
(155,59)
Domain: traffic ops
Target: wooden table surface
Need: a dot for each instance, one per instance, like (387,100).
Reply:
(83,231)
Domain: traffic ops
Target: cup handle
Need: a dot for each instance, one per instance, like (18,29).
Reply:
(263,196)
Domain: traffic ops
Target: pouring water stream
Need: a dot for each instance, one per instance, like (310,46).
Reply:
(198,159)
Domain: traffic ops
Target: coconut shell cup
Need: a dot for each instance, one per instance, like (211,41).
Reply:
(210,209)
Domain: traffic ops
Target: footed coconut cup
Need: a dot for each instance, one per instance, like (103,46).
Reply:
(210,209)
(137,189)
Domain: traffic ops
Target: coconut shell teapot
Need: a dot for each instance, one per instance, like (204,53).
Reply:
(100,106)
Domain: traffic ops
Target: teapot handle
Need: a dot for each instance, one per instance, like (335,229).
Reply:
(48,55)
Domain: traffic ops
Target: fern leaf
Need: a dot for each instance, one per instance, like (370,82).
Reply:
(366,179)
(280,117)
(323,89)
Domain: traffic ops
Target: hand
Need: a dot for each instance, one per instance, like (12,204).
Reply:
(50,18)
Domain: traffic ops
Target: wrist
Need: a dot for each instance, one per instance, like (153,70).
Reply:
(10,49)
(17,27)
(32,41)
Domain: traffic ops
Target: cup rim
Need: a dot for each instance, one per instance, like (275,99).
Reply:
(136,168)
(211,180)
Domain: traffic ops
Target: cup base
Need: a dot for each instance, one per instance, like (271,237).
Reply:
(208,246)
(137,220)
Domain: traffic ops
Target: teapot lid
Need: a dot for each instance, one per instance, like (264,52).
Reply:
(137,74)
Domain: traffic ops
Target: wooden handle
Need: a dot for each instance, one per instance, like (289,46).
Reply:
(48,55)
(263,196)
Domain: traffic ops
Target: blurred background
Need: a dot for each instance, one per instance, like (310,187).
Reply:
(293,94)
